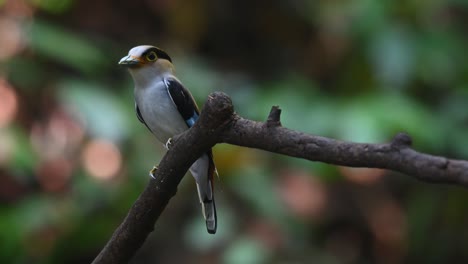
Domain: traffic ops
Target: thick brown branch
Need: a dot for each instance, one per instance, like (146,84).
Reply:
(219,124)
(131,234)
(396,155)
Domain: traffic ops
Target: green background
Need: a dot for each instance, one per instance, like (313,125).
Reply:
(73,156)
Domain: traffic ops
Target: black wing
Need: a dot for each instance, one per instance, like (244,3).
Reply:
(139,116)
(183,100)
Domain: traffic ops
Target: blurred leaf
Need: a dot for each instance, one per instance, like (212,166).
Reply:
(11,233)
(303,108)
(255,185)
(358,123)
(371,16)
(65,47)
(247,251)
(439,57)
(54,6)
(104,115)
(197,76)
(24,159)
(27,218)
(377,118)
(422,207)
(392,55)
(453,117)
(27,73)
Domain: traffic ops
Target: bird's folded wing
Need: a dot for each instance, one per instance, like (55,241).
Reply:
(183,100)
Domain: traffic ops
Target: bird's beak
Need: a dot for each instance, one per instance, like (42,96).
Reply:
(130,61)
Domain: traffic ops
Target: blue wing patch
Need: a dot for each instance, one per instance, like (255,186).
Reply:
(191,121)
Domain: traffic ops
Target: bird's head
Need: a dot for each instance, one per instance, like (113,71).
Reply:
(144,55)
(147,64)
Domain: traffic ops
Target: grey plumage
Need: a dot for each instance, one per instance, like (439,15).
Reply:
(167,108)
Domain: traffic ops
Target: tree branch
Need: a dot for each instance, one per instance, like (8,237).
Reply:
(219,124)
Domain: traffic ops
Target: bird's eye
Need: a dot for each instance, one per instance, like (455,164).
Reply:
(151,56)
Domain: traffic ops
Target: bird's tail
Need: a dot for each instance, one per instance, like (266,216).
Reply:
(208,210)
(203,171)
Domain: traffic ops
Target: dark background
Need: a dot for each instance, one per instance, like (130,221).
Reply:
(73,156)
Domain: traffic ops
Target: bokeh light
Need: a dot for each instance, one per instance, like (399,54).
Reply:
(388,223)
(302,193)
(59,135)
(101,159)
(18,9)
(12,37)
(364,176)
(267,233)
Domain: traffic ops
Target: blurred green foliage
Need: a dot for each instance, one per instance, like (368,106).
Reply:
(73,157)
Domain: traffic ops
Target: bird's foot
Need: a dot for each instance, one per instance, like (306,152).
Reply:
(168,143)
(152,172)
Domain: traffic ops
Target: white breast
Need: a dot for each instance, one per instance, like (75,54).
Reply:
(159,112)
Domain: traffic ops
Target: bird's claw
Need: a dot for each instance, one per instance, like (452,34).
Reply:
(152,172)
(168,143)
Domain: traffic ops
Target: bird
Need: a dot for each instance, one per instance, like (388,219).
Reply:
(167,108)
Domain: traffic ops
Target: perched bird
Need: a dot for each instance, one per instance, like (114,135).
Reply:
(167,108)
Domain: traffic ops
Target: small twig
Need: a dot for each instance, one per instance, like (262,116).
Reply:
(274,117)
(402,140)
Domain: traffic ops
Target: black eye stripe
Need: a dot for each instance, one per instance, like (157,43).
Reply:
(159,53)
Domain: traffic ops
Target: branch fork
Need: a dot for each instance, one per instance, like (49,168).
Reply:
(218,123)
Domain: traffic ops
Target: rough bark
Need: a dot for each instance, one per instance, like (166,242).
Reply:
(218,123)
